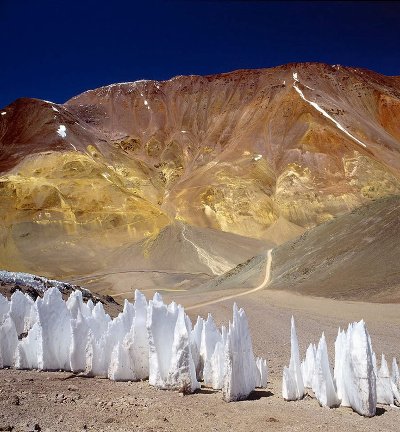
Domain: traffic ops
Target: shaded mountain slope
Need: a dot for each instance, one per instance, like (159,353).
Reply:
(355,256)
(32,126)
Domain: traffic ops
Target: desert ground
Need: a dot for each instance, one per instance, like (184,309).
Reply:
(61,401)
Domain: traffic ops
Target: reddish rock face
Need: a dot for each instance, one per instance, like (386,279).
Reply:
(287,137)
(249,152)
(258,111)
(30,126)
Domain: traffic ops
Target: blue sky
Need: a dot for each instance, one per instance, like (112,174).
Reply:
(56,49)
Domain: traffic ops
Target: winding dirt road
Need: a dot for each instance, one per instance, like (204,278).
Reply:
(262,285)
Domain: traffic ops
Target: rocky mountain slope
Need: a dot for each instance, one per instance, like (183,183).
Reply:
(264,153)
(353,257)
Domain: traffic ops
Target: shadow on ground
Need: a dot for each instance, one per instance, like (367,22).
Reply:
(259,394)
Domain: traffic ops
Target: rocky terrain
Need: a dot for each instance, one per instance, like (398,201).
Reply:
(35,286)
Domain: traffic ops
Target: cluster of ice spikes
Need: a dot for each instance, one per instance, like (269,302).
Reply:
(356,381)
(148,340)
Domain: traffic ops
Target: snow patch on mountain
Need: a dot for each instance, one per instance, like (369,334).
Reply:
(323,112)
(62,131)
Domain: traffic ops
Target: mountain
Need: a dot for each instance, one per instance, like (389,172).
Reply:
(265,154)
(236,151)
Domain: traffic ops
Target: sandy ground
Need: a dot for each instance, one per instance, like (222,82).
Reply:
(58,401)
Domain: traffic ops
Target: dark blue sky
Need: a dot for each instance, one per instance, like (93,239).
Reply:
(54,49)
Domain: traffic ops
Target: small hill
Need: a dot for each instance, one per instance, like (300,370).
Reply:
(180,257)
(183,248)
